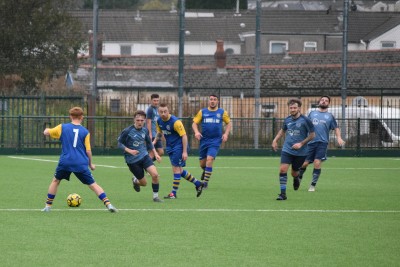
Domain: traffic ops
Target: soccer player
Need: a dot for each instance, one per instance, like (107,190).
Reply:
(212,134)
(323,122)
(151,120)
(75,158)
(298,131)
(177,149)
(134,141)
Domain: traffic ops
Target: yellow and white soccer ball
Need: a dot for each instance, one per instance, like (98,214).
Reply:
(74,200)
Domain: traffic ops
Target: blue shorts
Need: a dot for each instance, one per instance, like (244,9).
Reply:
(175,156)
(316,151)
(296,161)
(207,149)
(137,168)
(84,176)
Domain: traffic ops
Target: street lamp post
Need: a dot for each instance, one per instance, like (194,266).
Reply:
(93,91)
(344,66)
(181,56)
(257,76)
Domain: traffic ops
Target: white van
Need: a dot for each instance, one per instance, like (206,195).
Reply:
(377,126)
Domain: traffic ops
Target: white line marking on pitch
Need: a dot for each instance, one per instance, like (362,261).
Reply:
(215,210)
(49,160)
(217,167)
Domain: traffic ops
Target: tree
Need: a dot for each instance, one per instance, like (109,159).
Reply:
(156,5)
(111,4)
(213,4)
(38,39)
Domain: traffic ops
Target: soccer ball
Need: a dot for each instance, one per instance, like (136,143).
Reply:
(74,200)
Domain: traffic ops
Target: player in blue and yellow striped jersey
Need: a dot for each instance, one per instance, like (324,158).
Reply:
(298,131)
(212,134)
(177,149)
(76,157)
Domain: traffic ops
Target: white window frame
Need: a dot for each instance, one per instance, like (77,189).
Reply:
(115,105)
(385,43)
(123,50)
(162,49)
(284,44)
(310,46)
(268,109)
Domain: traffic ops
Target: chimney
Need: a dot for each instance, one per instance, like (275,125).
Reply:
(99,52)
(220,55)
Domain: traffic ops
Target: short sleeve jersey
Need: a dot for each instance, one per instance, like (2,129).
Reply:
(173,130)
(137,139)
(152,114)
(296,131)
(212,123)
(75,141)
(323,122)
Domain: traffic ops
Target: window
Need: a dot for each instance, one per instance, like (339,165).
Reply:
(229,51)
(162,50)
(126,50)
(268,109)
(278,47)
(310,46)
(3,105)
(388,44)
(115,105)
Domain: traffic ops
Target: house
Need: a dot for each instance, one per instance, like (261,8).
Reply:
(126,82)
(301,54)
(132,33)
(331,5)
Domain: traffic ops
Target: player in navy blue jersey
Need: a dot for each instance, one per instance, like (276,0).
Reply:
(212,134)
(151,121)
(177,149)
(135,142)
(76,157)
(323,122)
(298,131)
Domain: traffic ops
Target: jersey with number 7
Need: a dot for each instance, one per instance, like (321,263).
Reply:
(75,141)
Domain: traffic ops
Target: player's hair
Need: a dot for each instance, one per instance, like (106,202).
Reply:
(294,101)
(163,105)
(139,113)
(214,95)
(76,112)
(154,96)
(329,98)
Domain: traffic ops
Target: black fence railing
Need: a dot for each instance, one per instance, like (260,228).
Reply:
(240,103)
(21,133)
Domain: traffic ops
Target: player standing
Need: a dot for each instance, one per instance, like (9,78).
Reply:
(151,121)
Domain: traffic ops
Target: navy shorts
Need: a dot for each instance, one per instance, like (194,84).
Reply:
(84,176)
(207,149)
(175,156)
(295,161)
(137,168)
(317,151)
